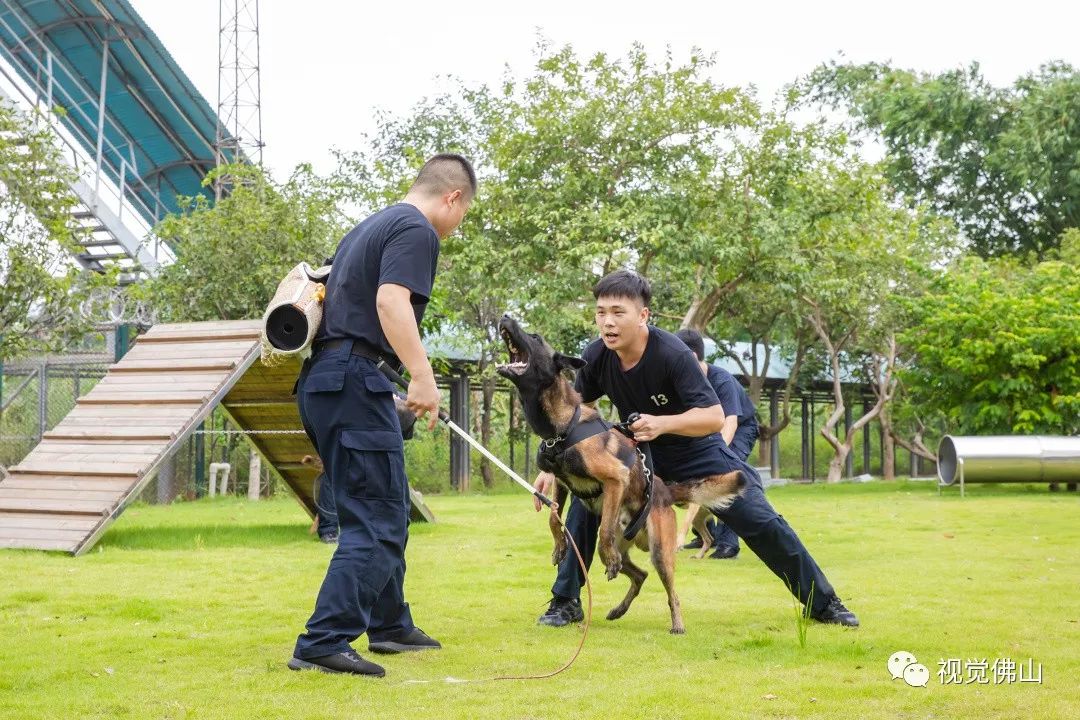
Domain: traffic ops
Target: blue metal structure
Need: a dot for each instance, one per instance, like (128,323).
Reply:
(122,97)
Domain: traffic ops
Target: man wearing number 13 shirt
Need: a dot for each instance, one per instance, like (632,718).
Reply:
(644,369)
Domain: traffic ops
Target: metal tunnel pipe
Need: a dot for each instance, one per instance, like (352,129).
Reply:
(1009,458)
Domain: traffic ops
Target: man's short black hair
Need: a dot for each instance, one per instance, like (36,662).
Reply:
(626,284)
(444,173)
(694,341)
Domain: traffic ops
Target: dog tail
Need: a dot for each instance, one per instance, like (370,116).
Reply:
(717,491)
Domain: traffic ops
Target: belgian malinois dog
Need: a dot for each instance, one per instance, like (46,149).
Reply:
(604,471)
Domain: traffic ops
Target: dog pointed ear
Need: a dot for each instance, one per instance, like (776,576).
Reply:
(564,362)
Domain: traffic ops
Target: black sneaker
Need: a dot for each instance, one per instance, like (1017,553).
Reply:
(415,639)
(836,614)
(694,544)
(562,611)
(344,662)
(724,552)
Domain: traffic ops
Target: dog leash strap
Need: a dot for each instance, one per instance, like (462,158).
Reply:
(445,418)
(588,615)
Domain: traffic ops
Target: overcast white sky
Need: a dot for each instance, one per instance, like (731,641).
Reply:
(328,64)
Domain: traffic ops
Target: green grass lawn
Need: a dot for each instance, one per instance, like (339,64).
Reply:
(191,611)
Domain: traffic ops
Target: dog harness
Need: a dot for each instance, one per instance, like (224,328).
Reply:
(552,450)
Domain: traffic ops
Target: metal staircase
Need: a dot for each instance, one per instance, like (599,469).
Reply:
(118,202)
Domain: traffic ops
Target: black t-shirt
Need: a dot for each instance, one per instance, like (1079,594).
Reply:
(395,245)
(732,395)
(665,381)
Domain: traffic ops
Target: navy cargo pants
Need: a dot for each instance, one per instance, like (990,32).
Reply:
(751,517)
(347,408)
(742,444)
(325,509)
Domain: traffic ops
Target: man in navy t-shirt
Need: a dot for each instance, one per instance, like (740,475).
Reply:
(650,371)
(382,275)
(740,432)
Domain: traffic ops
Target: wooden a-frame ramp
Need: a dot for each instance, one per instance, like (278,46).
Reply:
(87,469)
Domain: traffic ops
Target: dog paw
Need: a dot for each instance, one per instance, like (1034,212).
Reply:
(680,630)
(613,569)
(558,554)
(616,612)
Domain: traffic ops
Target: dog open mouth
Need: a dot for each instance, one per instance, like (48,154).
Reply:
(519,359)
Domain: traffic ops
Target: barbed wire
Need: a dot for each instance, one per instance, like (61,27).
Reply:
(113,306)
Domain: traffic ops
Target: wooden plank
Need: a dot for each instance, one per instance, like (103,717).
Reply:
(121,427)
(43,533)
(142,419)
(61,482)
(98,427)
(124,411)
(94,459)
(99,446)
(150,377)
(259,374)
(179,398)
(213,335)
(268,415)
(30,467)
(66,476)
(161,386)
(259,402)
(67,506)
(109,433)
(226,349)
(259,370)
(173,365)
(46,520)
(162,389)
(204,326)
(27,544)
(267,418)
(7,493)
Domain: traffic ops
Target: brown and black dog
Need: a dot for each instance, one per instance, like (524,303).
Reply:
(604,471)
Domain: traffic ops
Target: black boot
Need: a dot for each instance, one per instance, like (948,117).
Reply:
(344,662)
(415,639)
(562,611)
(836,614)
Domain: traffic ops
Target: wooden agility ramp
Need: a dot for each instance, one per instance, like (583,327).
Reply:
(87,469)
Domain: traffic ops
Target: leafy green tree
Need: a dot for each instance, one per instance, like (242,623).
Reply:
(41,287)
(996,346)
(862,254)
(231,255)
(1003,163)
(740,280)
(607,165)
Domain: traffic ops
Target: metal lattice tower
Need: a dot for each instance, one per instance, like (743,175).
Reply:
(239,106)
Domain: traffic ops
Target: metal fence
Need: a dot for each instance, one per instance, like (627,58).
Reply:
(36,394)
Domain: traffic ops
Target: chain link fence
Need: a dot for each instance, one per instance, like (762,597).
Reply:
(37,393)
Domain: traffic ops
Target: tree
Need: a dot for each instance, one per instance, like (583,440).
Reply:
(1003,163)
(41,288)
(607,163)
(231,255)
(996,346)
(862,253)
(746,274)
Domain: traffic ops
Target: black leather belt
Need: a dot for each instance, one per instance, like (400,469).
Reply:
(362,349)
